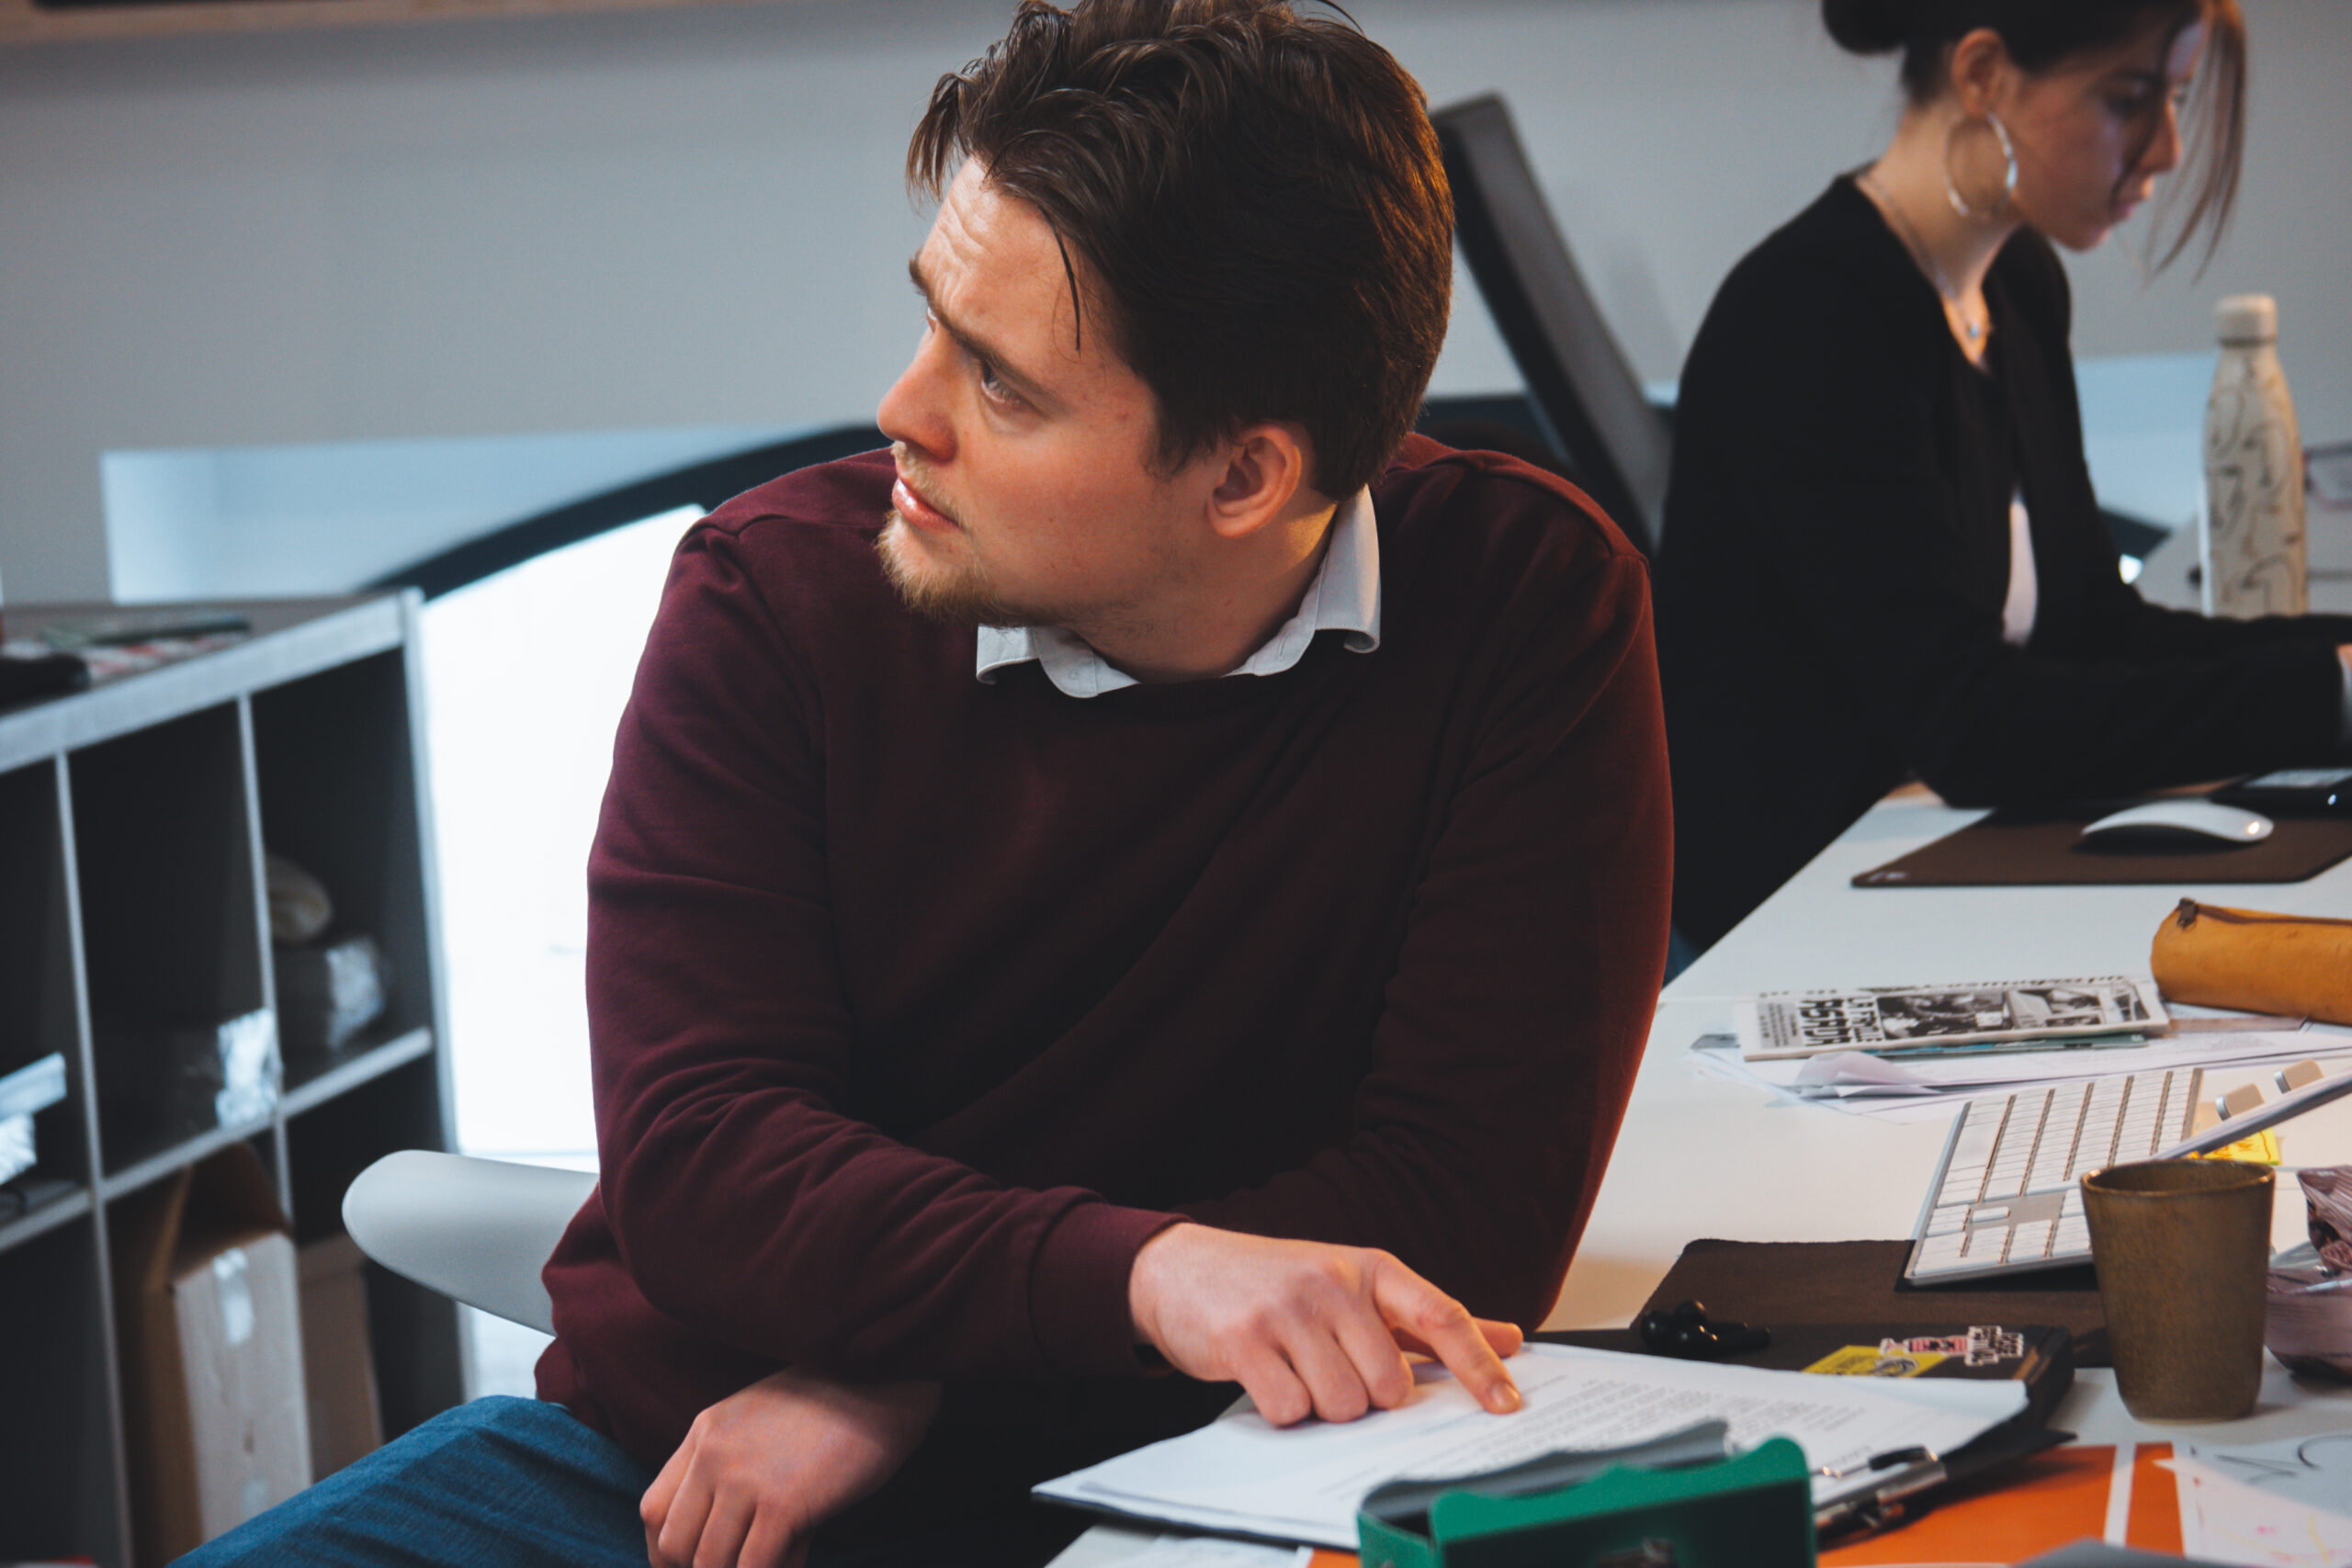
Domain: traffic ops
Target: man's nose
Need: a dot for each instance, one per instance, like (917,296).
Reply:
(914,411)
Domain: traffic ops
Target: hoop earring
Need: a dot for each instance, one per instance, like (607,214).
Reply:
(2008,169)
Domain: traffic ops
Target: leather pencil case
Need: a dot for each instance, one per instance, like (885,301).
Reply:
(2294,964)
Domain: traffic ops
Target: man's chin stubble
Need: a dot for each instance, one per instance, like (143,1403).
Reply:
(957,600)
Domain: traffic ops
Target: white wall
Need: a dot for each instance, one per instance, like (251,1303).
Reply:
(208,523)
(693,217)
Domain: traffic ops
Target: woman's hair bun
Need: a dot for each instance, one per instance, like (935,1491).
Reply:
(1871,27)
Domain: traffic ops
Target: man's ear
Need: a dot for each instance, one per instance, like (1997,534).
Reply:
(1264,479)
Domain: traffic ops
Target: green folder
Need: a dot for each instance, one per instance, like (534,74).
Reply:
(1753,1510)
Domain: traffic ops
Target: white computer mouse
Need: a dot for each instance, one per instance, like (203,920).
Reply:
(2187,819)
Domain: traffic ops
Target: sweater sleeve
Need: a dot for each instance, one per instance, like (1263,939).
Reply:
(1853,508)
(1514,1021)
(720,1040)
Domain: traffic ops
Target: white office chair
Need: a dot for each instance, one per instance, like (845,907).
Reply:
(476,1230)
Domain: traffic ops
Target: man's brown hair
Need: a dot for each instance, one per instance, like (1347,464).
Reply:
(1255,196)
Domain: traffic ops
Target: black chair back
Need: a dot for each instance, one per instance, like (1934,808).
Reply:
(1587,395)
(703,484)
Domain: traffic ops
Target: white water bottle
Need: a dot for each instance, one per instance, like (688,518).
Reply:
(2253,540)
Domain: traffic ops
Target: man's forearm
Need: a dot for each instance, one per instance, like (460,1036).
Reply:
(763,1469)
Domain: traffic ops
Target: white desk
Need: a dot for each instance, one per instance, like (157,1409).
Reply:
(1702,1158)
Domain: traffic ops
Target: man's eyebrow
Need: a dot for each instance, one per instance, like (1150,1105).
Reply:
(978,349)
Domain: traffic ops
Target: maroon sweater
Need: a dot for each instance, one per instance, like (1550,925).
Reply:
(917,1004)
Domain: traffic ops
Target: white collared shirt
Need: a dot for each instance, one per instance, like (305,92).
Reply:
(1344,597)
(2025,588)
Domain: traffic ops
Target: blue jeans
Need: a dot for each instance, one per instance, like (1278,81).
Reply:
(505,1481)
(519,1484)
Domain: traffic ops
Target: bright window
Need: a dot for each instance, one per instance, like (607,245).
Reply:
(526,674)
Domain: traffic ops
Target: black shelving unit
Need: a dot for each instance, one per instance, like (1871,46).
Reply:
(133,818)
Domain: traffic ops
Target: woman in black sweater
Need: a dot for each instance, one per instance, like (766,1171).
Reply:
(1880,405)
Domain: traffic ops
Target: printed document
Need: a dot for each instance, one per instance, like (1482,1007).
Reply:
(1912,1089)
(1781,1024)
(1302,1484)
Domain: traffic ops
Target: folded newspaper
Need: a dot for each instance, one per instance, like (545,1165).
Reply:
(1781,1024)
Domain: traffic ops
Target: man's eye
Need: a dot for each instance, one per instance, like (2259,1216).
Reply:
(993,384)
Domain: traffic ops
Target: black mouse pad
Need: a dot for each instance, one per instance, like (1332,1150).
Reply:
(2041,847)
(1800,1289)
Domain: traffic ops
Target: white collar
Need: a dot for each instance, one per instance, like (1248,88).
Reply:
(1344,597)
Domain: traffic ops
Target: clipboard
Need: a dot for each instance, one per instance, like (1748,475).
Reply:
(2041,846)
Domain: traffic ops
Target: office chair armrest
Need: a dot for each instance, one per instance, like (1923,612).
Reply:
(476,1230)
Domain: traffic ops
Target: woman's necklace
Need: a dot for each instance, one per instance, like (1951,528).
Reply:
(1971,324)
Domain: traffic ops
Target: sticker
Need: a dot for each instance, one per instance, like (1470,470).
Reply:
(1937,1345)
(1989,1347)
(1878,1361)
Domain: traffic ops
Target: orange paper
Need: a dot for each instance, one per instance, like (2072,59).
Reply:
(2035,1505)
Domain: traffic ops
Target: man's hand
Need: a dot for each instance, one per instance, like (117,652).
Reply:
(1308,1328)
(763,1468)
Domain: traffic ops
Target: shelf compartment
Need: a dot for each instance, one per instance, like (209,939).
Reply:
(311,1081)
(39,1017)
(57,1443)
(170,926)
(337,783)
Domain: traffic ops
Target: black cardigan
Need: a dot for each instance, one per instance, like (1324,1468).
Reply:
(1836,555)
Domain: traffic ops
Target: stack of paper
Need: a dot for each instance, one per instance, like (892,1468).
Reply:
(1302,1484)
(1920,1089)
